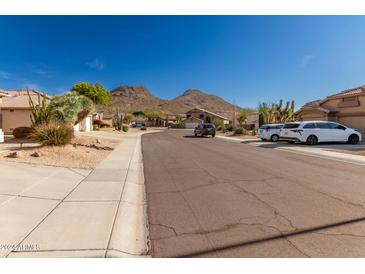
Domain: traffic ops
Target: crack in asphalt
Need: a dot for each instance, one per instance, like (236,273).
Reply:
(191,209)
(226,228)
(296,181)
(165,226)
(281,233)
(339,234)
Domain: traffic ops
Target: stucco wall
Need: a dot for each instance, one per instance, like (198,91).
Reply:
(17,118)
(333,105)
(311,115)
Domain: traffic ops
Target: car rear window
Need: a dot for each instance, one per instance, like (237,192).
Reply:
(264,127)
(208,126)
(291,126)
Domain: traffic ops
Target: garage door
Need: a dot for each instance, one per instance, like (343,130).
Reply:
(191,125)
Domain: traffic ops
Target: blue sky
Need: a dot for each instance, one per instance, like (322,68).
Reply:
(245,59)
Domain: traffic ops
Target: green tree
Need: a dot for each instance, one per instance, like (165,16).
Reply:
(155,115)
(138,113)
(70,108)
(128,118)
(178,119)
(243,115)
(97,93)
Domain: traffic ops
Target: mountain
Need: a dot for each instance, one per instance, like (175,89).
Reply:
(196,98)
(129,98)
(138,98)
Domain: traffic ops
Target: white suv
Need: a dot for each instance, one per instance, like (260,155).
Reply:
(312,132)
(270,132)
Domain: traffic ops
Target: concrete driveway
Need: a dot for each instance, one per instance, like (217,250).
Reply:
(62,212)
(28,194)
(213,198)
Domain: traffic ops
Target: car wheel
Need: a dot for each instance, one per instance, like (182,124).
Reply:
(213,135)
(274,138)
(353,139)
(312,140)
(196,134)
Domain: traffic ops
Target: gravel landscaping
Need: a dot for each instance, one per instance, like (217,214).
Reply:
(84,152)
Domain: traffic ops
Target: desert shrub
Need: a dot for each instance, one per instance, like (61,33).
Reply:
(220,127)
(53,134)
(125,128)
(22,132)
(143,128)
(229,128)
(240,131)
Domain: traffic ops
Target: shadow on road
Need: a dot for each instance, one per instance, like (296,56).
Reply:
(193,136)
(265,239)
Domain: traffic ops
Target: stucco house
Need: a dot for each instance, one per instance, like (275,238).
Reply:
(346,107)
(14,109)
(253,121)
(2,94)
(198,116)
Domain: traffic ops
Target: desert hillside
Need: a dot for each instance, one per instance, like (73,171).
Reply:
(138,98)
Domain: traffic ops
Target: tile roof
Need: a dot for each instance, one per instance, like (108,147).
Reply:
(19,98)
(21,101)
(352,91)
(212,113)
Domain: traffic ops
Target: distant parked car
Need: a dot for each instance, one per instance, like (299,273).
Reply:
(204,130)
(138,124)
(313,132)
(270,132)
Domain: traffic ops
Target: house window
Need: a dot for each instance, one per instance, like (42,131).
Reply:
(201,116)
(188,116)
(349,99)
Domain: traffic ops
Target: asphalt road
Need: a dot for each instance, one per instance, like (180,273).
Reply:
(209,197)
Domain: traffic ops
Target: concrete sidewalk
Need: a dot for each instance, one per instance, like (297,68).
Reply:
(101,215)
(320,150)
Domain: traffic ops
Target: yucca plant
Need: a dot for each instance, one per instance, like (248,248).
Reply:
(276,113)
(40,113)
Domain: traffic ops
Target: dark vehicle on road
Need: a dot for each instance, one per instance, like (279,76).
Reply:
(138,124)
(204,130)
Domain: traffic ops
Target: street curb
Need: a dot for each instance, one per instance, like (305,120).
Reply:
(324,154)
(130,234)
